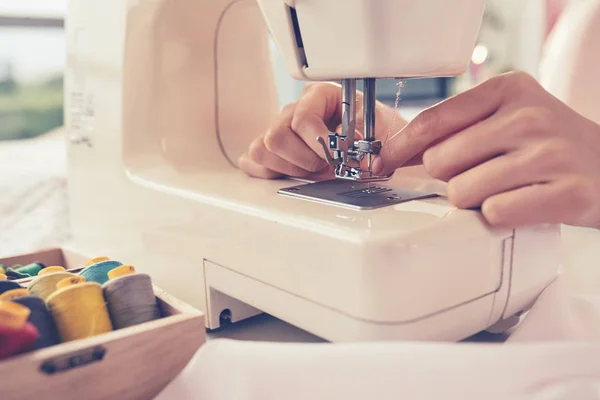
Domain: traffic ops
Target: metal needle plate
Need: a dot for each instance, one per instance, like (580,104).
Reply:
(354,195)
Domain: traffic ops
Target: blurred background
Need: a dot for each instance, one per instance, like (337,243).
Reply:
(32,60)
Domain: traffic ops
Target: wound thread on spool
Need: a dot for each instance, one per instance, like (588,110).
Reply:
(43,286)
(8,285)
(3,276)
(16,334)
(79,311)
(130,297)
(42,319)
(31,269)
(98,272)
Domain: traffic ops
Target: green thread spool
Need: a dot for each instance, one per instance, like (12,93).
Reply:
(30,269)
(44,285)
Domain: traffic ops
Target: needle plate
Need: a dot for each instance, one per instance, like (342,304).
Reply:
(354,195)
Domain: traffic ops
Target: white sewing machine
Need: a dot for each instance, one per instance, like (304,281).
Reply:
(164,96)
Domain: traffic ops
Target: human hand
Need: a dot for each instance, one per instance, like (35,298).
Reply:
(290,147)
(508,147)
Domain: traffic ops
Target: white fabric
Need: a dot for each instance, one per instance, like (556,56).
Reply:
(553,354)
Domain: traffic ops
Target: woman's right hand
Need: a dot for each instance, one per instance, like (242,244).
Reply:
(290,147)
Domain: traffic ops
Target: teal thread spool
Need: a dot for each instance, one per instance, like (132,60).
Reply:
(98,272)
(130,297)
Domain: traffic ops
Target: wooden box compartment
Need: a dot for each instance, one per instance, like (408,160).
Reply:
(130,363)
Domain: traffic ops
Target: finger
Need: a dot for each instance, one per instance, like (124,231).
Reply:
(260,155)
(467,149)
(255,170)
(552,203)
(438,122)
(287,145)
(501,174)
(317,113)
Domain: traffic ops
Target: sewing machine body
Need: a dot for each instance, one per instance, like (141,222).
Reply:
(162,102)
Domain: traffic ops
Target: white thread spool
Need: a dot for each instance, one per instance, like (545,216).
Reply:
(130,297)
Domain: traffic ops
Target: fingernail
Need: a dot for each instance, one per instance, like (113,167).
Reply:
(377,166)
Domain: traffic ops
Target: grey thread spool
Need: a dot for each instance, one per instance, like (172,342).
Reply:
(130,300)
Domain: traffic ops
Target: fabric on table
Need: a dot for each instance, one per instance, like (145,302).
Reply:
(553,354)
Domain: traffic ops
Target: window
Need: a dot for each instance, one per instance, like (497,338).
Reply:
(32,59)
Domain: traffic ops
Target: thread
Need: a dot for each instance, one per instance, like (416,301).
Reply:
(79,311)
(130,297)
(16,334)
(51,270)
(98,272)
(43,286)
(3,276)
(8,285)
(31,269)
(2,269)
(400,85)
(12,274)
(42,319)
(14,294)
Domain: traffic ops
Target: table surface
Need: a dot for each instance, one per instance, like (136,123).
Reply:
(33,184)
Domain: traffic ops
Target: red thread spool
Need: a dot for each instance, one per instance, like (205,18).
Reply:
(16,334)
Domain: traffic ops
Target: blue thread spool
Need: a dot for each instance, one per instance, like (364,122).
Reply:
(8,285)
(42,319)
(98,272)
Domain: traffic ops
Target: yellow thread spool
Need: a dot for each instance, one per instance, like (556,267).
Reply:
(121,271)
(50,270)
(96,260)
(14,294)
(79,310)
(70,281)
(2,270)
(13,315)
(3,277)
(43,286)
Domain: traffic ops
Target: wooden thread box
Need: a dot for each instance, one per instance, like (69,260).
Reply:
(130,363)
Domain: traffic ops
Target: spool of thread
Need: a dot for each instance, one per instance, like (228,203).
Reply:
(79,311)
(130,297)
(14,294)
(42,319)
(2,269)
(8,285)
(98,272)
(43,286)
(3,276)
(16,334)
(96,260)
(31,269)
(51,270)
(12,274)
